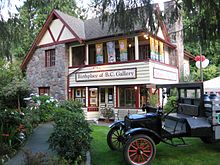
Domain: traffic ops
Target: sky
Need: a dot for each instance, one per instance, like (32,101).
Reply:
(19,3)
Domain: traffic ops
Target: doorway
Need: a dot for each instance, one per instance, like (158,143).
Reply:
(106,96)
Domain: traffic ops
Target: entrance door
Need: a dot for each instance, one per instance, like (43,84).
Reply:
(107,96)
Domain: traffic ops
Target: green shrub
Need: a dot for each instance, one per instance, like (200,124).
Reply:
(44,107)
(73,106)
(153,100)
(171,104)
(71,137)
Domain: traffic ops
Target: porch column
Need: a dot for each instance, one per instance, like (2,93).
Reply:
(115,97)
(87,55)
(87,96)
(70,56)
(136,48)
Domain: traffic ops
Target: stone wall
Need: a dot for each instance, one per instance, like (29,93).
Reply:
(54,77)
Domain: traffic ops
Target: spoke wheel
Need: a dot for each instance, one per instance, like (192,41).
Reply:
(139,150)
(115,138)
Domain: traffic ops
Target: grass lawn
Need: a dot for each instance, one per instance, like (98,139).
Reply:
(196,153)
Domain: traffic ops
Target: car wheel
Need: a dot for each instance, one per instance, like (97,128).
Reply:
(115,138)
(139,150)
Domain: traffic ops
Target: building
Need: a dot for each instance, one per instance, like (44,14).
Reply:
(80,60)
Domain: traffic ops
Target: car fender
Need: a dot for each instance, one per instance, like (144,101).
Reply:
(119,123)
(156,137)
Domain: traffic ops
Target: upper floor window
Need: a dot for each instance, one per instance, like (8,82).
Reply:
(144,48)
(50,57)
(78,55)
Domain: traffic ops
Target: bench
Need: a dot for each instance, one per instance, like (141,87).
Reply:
(188,109)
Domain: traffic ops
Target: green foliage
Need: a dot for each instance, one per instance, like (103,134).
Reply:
(71,137)
(153,100)
(71,105)
(171,103)
(10,121)
(107,113)
(13,86)
(44,107)
(208,73)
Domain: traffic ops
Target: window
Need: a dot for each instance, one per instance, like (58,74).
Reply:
(50,58)
(172,57)
(93,96)
(144,52)
(44,90)
(79,94)
(112,51)
(78,55)
(144,48)
(127,97)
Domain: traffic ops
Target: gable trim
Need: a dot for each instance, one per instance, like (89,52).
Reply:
(41,34)
(68,27)
(57,42)
(162,24)
(51,34)
(58,38)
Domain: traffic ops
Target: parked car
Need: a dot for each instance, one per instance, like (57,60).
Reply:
(139,134)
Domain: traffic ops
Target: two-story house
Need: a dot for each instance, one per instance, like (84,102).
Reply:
(80,60)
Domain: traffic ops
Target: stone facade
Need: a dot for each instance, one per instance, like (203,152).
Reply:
(54,77)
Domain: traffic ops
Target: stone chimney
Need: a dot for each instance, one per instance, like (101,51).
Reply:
(175,31)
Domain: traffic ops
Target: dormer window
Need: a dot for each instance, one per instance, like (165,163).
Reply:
(50,58)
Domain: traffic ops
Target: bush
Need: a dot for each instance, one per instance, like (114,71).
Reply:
(71,137)
(73,106)
(153,100)
(171,104)
(44,107)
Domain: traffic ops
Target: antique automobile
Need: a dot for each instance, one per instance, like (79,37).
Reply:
(191,116)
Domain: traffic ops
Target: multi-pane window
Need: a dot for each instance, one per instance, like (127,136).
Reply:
(44,90)
(127,97)
(79,94)
(50,57)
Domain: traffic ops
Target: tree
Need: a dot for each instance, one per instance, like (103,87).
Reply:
(208,73)
(122,13)
(33,15)
(13,86)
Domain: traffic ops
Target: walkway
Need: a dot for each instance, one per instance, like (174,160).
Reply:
(37,142)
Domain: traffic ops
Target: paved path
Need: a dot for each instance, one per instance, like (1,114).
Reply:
(37,142)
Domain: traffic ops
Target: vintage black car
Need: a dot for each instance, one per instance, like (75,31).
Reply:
(191,117)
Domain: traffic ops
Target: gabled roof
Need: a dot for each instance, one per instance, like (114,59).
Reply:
(75,24)
(84,30)
(189,55)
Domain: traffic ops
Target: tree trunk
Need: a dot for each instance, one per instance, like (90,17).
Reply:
(19,105)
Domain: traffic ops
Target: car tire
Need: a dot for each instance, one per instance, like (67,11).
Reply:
(139,150)
(115,138)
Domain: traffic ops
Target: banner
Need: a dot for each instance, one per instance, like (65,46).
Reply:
(161,52)
(152,54)
(111,52)
(99,54)
(123,50)
(156,51)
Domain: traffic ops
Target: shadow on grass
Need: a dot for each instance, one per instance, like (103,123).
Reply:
(196,153)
